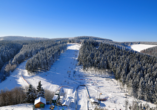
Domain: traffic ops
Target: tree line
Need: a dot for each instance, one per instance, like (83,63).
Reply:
(150,51)
(44,59)
(7,51)
(24,95)
(12,53)
(136,70)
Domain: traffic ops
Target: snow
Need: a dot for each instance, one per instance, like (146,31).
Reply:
(69,96)
(61,77)
(103,86)
(93,100)
(82,98)
(54,79)
(18,107)
(67,102)
(57,92)
(40,99)
(55,97)
(140,47)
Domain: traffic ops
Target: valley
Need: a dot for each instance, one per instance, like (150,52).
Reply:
(65,75)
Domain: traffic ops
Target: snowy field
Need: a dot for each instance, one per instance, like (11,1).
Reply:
(18,107)
(140,47)
(62,76)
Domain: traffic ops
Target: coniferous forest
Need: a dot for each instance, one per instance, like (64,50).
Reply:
(131,68)
(45,58)
(150,51)
(13,53)
(138,71)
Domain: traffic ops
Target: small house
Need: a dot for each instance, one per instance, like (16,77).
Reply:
(55,99)
(40,102)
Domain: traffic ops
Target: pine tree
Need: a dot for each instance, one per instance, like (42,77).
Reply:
(30,94)
(40,90)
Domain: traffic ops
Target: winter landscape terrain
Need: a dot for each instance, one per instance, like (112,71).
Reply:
(80,86)
(140,47)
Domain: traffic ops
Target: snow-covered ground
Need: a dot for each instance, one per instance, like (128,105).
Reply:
(54,78)
(101,85)
(61,76)
(82,98)
(57,77)
(140,47)
(18,107)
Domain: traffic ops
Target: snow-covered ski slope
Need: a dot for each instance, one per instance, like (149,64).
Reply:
(57,77)
(54,78)
(140,47)
(61,75)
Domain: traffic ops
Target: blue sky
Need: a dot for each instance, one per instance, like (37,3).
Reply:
(119,20)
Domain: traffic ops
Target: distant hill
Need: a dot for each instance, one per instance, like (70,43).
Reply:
(91,38)
(18,38)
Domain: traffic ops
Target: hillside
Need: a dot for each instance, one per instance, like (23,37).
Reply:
(86,69)
(66,75)
(140,47)
(19,38)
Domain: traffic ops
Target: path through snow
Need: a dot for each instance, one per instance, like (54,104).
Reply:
(82,98)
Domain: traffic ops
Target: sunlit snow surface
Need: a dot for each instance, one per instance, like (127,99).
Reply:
(61,75)
(18,107)
(140,47)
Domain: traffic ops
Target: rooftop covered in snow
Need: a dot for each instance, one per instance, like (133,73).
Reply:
(40,99)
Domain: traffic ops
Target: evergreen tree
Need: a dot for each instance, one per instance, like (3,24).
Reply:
(30,94)
(136,70)
(40,90)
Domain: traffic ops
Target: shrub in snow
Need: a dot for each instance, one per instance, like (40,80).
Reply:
(48,95)
(12,97)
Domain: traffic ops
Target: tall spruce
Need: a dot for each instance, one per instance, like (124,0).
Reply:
(30,94)
(40,90)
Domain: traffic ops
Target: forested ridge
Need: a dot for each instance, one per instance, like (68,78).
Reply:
(136,70)
(8,51)
(45,58)
(150,51)
(12,53)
